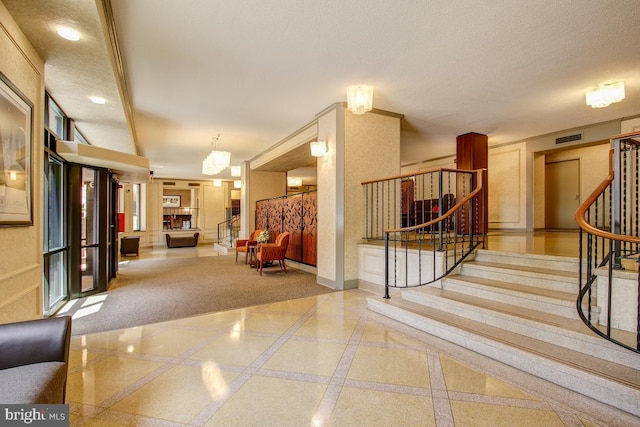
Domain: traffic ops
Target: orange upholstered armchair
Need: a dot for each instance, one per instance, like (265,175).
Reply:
(242,245)
(273,252)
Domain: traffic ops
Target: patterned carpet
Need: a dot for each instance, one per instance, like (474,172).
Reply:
(150,291)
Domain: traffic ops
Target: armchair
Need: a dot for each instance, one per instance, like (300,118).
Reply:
(242,245)
(273,252)
(34,360)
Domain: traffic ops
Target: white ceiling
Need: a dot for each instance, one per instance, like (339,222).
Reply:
(256,71)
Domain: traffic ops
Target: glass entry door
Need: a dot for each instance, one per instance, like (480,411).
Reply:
(88,214)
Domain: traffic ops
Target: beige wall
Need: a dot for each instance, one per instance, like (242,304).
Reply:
(21,247)
(508,187)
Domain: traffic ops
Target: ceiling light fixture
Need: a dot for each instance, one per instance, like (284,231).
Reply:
(237,184)
(319,148)
(605,94)
(236,171)
(294,182)
(359,98)
(216,161)
(217,183)
(98,100)
(69,33)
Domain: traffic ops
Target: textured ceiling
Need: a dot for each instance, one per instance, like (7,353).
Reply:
(256,71)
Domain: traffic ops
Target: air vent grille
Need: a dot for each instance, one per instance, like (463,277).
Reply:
(194,184)
(169,183)
(569,138)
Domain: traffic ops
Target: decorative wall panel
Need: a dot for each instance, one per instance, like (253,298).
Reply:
(296,215)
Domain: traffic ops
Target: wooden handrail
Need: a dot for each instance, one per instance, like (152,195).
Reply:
(406,175)
(581,213)
(451,211)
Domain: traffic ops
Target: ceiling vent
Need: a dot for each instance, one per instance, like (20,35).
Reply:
(169,183)
(570,138)
(194,184)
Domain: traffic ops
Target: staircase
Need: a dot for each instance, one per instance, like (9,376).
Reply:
(520,309)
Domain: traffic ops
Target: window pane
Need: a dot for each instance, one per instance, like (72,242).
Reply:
(57,278)
(56,212)
(88,229)
(56,119)
(136,207)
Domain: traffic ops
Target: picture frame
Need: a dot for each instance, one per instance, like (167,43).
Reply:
(16,141)
(171,201)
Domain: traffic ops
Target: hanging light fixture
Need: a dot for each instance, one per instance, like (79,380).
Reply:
(236,171)
(217,183)
(319,148)
(237,183)
(605,94)
(359,98)
(216,161)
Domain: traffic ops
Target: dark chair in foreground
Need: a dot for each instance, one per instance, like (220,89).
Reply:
(34,360)
(242,245)
(273,252)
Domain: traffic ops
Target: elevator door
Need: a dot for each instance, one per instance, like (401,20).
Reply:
(562,194)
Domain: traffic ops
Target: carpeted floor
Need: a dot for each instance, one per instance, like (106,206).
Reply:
(150,291)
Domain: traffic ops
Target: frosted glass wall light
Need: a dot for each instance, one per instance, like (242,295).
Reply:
(319,148)
(359,98)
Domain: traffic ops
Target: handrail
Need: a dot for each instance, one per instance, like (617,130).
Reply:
(448,239)
(581,213)
(410,174)
(609,221)
(447,214)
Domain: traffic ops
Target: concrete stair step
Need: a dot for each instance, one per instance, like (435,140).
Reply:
(546,300)
(565,281)
(551,262)
(558,330)
(606,381)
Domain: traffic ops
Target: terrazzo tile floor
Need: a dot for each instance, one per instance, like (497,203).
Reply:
(317,361)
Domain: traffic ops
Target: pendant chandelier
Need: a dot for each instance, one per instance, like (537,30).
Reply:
(216,161)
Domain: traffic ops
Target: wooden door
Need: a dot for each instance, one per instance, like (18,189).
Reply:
(562,194)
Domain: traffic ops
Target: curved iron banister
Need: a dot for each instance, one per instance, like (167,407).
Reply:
(611,235)
(457,233)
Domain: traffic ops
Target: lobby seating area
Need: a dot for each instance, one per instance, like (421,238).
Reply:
(178,241)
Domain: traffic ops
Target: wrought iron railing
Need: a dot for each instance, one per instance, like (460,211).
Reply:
(229,230)
(609,247)
(429,223)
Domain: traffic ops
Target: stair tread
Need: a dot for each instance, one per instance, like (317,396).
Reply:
(549,293)
(572,325)
(521,268)
(621,374)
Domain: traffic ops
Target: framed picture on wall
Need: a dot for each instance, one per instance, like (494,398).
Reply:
(170,201)
(16,115)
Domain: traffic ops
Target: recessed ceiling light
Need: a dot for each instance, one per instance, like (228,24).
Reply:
(69,34)
(97,100)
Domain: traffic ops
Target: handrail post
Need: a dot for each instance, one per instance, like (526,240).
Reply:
(616,208)
(440,179)
(386,265)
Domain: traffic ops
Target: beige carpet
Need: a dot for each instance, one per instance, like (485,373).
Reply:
(151,291)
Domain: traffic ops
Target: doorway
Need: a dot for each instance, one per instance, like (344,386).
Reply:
(562,194)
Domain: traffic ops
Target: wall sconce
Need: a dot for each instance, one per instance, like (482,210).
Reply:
(237,183)
(217,183)
(236,171)
(319,148)
(359,98)
(294,182)
(605,94)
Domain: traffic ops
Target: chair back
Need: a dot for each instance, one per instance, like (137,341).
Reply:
(283,240)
